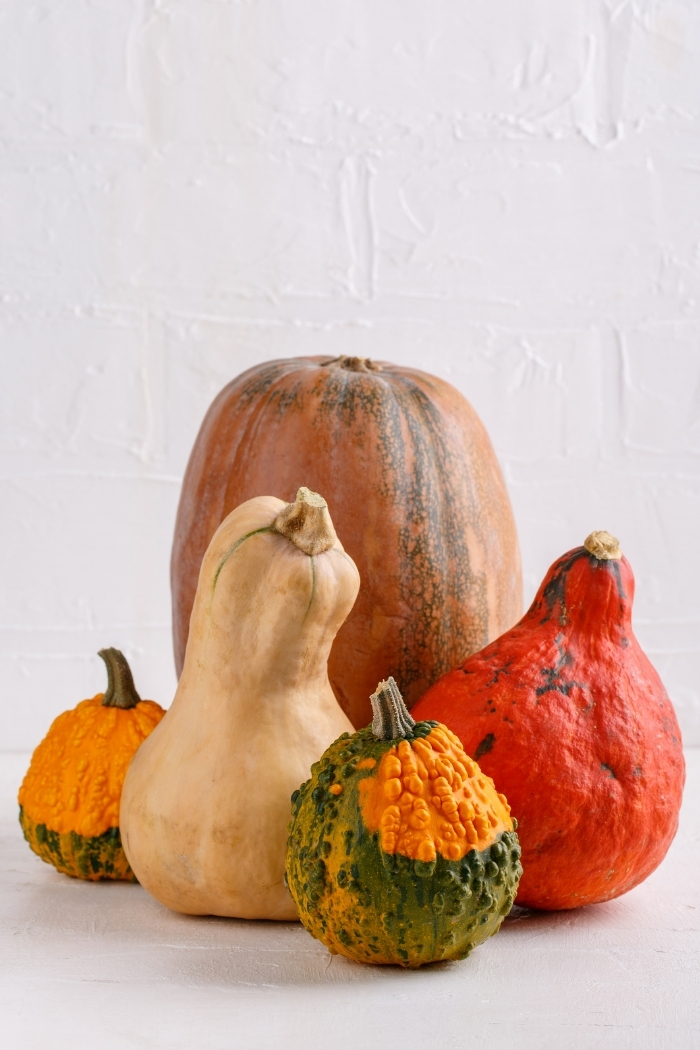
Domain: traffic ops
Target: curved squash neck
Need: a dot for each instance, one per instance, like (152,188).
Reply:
(270,665)
(272,595)
(270,634)
(586,593)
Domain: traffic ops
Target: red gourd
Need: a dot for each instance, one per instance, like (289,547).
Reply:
(568,716)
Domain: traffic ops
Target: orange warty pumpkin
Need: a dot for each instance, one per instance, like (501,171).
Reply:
(399,850)
(414,489)
(69,798)
(568,716)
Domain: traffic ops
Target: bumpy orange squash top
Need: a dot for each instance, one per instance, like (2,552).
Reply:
(74,781)
(429,797)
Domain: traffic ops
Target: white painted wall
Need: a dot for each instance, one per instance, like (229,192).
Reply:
(506,194)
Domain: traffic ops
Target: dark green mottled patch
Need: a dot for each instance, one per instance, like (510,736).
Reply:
(420,477)
(485,746)
(99,857)
(554,680)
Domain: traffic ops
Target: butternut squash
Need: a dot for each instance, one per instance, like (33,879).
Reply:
(206,803)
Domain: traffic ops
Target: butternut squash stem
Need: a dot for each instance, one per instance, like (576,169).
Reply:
(307,523)
(603,546)
(121,691)
(391,718)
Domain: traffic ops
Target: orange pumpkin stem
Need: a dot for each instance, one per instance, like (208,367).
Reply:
(391,718)
(307,523)
(354,364)
(121,691)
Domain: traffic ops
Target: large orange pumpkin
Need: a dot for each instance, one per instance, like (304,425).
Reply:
(415,492)
(570,719)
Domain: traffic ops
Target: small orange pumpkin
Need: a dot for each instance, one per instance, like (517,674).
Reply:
(69,799)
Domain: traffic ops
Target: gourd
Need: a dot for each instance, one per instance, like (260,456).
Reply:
(569,717)
(414,488)
(205,806)
(400,850)
(69,798)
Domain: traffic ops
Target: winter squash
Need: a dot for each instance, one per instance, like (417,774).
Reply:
(413,486)
(569,717)
(205,806)
(69,798)
(400,850)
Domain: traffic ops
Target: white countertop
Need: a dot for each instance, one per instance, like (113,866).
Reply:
(103,965)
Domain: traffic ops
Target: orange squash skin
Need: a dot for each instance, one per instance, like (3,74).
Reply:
(415,492)
(69,798)
(567,715)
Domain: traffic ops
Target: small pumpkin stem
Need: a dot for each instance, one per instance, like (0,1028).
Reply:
(354,364)
(603,546)
(391,718)
(307,523)
(121,691)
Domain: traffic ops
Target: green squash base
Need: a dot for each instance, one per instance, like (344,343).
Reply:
(100,857)
(376,907)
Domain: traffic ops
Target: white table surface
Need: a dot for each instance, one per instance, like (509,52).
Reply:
(103,965)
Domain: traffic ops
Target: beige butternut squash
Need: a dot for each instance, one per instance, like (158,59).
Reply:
(206,800)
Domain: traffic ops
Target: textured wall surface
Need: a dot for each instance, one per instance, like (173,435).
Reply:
(505,194)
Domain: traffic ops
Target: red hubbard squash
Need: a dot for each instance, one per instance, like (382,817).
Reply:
(414,489)
(568,716)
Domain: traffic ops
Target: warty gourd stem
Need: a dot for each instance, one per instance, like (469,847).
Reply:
(391,718)
(120,691)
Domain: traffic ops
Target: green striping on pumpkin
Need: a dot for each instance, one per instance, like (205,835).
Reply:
(94,858)
(385,873)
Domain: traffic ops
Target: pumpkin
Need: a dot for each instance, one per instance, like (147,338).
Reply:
(400,849)
(413,484)
(69,798)
(569,717)
(206,804)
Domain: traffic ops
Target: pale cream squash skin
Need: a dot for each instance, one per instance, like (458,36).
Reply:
(206,801)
